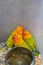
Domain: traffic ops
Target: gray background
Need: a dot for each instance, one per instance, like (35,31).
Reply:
(22,12)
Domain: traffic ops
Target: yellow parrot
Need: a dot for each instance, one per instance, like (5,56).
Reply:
(9,41)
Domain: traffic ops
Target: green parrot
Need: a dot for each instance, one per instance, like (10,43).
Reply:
(28,38)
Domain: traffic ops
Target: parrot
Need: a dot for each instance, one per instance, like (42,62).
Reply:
(28,38)
(9,41)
